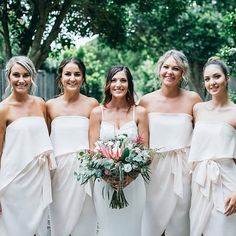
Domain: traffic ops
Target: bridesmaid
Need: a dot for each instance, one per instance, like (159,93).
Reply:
(170,126)
(119,115)
(25,148)
(72,211)
(213,148)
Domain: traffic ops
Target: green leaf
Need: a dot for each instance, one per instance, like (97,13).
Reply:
(125,153)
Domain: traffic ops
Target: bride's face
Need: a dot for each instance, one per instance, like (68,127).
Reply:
(119,85)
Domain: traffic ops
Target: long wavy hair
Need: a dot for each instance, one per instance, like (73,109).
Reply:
(130,93)
(28,65)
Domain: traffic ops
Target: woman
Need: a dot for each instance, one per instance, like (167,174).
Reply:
(25,148)
(119,115)
(170,126)
(72,211)
(212,151)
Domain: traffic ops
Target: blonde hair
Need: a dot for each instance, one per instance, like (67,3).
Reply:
(28,65)
(181,60)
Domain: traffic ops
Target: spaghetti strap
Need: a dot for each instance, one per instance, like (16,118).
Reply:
(134,113)
(101,106)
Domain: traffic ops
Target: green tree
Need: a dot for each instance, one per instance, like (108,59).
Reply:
(29,27)
(98,58)
(198,28)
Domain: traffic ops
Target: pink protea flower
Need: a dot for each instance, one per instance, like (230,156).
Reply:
(113,153)
(139,139)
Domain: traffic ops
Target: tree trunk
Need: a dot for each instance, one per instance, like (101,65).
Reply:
(39,50)
(8,52)
(196,81)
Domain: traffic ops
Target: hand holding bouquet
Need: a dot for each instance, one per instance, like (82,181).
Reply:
(117,161)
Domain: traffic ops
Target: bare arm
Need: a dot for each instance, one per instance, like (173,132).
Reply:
(195,100)
(48,116)
(94,127)
(143,129)
(2,129)
(143,102)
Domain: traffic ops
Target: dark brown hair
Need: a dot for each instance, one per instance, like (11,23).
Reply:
(130,93)
(64,62)
(216,61)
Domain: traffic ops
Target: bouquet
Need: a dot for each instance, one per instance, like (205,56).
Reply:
(115,160)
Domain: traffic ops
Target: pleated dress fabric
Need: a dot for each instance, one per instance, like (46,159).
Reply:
(25,184)
(214,178)
(168,193)
(125,221)
(72,211)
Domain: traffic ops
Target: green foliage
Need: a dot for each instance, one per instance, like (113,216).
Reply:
(229,56)
(232,96)
(136,33)
(98,59)
(146,79)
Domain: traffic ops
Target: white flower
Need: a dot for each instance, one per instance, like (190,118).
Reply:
(110,143)
(122,136)
(127,168)
(130,145)
(138,158)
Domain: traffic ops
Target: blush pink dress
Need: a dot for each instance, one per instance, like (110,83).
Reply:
(72,211)
(168,193)
(25,184)
(214,178)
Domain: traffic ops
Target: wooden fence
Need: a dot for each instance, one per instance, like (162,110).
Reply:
(46,84)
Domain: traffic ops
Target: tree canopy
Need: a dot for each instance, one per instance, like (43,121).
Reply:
(29,27)
(138,29)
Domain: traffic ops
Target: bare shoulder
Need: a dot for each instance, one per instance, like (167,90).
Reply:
(193,96)
(91,101)
(4,107)
(140,110)
(96,111)
(145,99)
(38,100)
(199,105)
(52,101)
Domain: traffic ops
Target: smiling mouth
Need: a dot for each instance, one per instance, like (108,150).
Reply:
(21,85)
(72,85)
(214,87)
(169,78)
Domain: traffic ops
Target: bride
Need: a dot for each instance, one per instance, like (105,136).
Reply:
(119,115)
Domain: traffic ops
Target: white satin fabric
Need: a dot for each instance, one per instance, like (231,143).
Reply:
(214,178)
(72,211)
(25,185)
(168,193)
(125,221)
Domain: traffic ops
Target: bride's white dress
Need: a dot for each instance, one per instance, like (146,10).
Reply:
(125,221)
